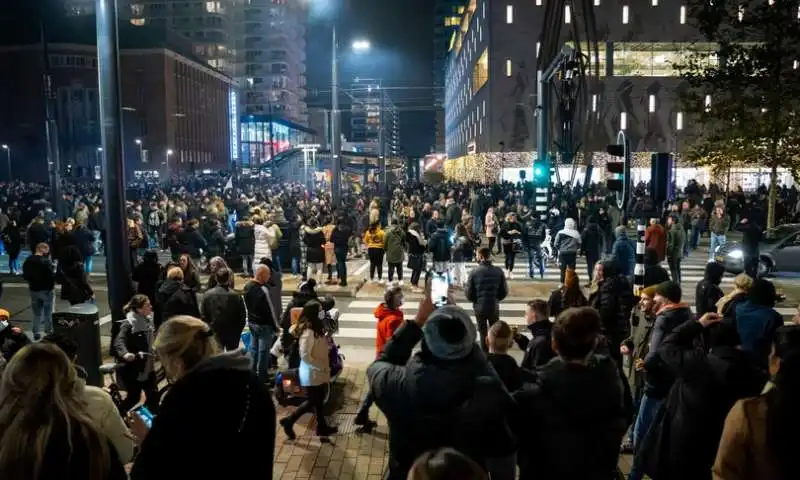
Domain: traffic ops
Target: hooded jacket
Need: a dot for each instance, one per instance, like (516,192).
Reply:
(658,377)
(757,325)
(592,238)
(236,415)
(389,320)
(707,293)
(624,253)
(394,244)
(174,298)
(538,350)
(374,238)
(315,244)
(568,240)
(261,249)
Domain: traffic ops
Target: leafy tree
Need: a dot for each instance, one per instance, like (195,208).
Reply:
(743,101)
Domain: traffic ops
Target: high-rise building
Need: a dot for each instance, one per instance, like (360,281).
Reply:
(374,119)
(447,20)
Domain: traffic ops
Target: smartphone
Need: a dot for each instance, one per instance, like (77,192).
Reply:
(440,285)
(145,415)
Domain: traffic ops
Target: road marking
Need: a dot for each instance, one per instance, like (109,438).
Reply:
(362,268)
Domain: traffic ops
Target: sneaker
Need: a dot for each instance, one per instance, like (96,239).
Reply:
(288,428)
(399,283)
(381,282)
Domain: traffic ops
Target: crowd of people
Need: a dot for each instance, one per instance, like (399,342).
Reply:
(692,394)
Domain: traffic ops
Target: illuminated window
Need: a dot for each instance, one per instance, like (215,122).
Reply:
(138,21)
(538,3)
(483,108)
(461,10)
(567,14)
(596,3)
(596,57)
(795,64)
(483,9)
(654,3)
(212,7)
(655,59)
(623,121)
(508,67)
(480,33)
(509,14)
(652,103)
(625,14)
(683,15)
(480,72)
(679,121)
(594,102)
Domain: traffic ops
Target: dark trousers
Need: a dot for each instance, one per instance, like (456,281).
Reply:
(675,268)
(396,267)
(341,264)
(491,244)
(135,388)
(363,409)
(751,264)
(567,259)
(484,323)
(315,401)
(591,261)
(375,262)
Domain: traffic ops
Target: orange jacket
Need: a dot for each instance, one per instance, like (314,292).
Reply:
(388,322)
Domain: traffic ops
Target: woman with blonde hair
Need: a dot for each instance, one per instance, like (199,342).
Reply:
(45,430)
(214,400)
(726,306)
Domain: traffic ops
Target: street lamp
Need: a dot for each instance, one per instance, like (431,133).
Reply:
(138,142)
(169,154)
(361,45)
(8,157)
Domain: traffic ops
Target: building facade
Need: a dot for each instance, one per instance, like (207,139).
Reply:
(176,109)
(490,94)
(374,119)
(447,20)
(264,137)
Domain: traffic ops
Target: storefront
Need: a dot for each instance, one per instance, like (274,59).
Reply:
(262,136)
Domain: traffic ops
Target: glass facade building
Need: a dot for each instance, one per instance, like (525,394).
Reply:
(263,136)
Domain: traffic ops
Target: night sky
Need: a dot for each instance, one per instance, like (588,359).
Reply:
(401,34)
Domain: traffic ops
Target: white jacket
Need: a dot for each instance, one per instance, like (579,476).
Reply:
(315,365)
(106,418)
(262,243)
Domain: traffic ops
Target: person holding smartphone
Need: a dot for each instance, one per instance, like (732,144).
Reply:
(134,346)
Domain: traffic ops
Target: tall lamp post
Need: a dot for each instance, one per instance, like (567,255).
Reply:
(8,158)
(138,142)
(167,165)
(98,159)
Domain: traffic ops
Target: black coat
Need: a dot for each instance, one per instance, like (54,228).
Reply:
(682,443)
(468,412)
(614,301)
(538,350)
(192,242)
(65,460)
(245,237)
(219,402)
(146,275)
(75,286)
(512,375)
(173,298)
(486,287)
(224,310)
(592,240)
(314,239)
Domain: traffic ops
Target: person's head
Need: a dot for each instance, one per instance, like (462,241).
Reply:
(449,334)
(762,293)
(65,343)
(183,342)
(39,392)
(537,311)
(175,274)
(597,274)
(140,305)
(743,282)
(445,464)
(667,293)
(393,298)
(575,333)
(43,249)
(646,299)
(185,262)
(150,256)
(673,219)
(653,221)
(263,274)
(620,231)
(500,337)
(484,254)
(311,317)
(224,277)
(714,273)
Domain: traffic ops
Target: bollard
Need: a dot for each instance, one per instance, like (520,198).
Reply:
(81,323)
(638,272)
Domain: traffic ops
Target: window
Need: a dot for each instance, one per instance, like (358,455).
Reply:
(483,107)
(480,72)
(596,3)
(137,21)
(508,67)
(213,7)
(683,15)
(652,103)
(594,102)
(795,64)
(623,121)
(679,121)
(654,59)
(509,14)
(625,14)
(483,9)
(654,3)
(567,14)
(538,3)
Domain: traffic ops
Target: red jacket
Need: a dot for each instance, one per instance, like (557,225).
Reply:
(388,322)
(655,237)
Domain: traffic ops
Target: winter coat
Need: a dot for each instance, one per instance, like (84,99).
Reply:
(315,363)
(84,239)
(394,244)
(244,234)
(330,258)
(657,375)
(486,288)
(172,299)
(242,423)
(676,238)
(192,242)
(568,240)
(341,236)
(314,240)
(216,244)
(491,225)
(533,233)
(614,301)
(623,254)
(592,240)
(416,242)
(374,238)
(440,245)
(538,350)
(75,287)
(707,293)
(257,299)
(571,421)
(655,237)
(468,412)
(757,325)
(682,442)
(225,312)
(512,375)
(262,244)
(719,225)
(389,321)
(654,273)
(136,334)
(463,250)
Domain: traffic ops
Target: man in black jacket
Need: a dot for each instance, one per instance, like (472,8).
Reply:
(224,310)
(340,237)
(39,272)
(445,395)
(173,298)
(538,350)
(486,287)
(262,317)
(532,235)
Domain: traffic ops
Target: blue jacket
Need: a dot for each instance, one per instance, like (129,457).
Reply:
(623,254)
(757,325)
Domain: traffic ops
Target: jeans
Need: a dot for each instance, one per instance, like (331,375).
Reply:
(263,336)
(341,264)
(276,260)
(717,240)
(295,265)
(315,401)
(697,232)
(476,224)
(396,267)
(535,257)
(567,259)
(96,244)
(87,263)
(484,323)
(644,419)
(247,265)
(42,306)
(675,268)
(13,267)
(687,243)
(375,262)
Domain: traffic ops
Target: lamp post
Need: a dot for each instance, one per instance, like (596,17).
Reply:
(138,142)
(98,158)
(168,176)
(8,158)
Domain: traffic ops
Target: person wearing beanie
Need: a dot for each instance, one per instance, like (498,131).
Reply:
(447,394)
(623,252)
(670,313)
(676,240)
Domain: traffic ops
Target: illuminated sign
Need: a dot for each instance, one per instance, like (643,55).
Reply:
(233,108)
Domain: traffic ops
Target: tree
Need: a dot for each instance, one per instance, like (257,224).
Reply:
(743,100)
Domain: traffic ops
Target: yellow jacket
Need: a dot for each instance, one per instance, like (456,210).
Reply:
(374,239)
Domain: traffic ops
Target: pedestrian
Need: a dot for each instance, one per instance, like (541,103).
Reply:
(568,295)
(340,237)
(532,237)
(133,345)
(416,254)
(394,244)
(375,242)
(262,318)
(655,237)
(511,239)
(492,228)
(486,288)
(39,272)
(591,245)
(245,240)
(314,240)
(538,349)
(463,252)
(676,247)
(718,225)
(224,310)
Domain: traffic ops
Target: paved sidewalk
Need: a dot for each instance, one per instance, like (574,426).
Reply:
(350,455)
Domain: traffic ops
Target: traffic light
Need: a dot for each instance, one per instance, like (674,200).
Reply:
(619,171)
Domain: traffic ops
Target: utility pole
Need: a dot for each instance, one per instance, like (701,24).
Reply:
(336,140)
(117,251)
(271,142)
(382,142)
(50,127)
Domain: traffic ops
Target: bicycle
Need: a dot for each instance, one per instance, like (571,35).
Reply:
(112,388)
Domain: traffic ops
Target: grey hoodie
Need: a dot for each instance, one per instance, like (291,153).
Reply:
(568,240)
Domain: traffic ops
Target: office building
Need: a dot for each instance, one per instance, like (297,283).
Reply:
(374,119)
(491,82)
(447,20)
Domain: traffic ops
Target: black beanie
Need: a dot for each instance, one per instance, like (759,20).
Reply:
(670,290)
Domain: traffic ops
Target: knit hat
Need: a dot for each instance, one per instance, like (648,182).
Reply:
(669,290)
(4,315)
(650,291)
(449,333)
(620,230)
